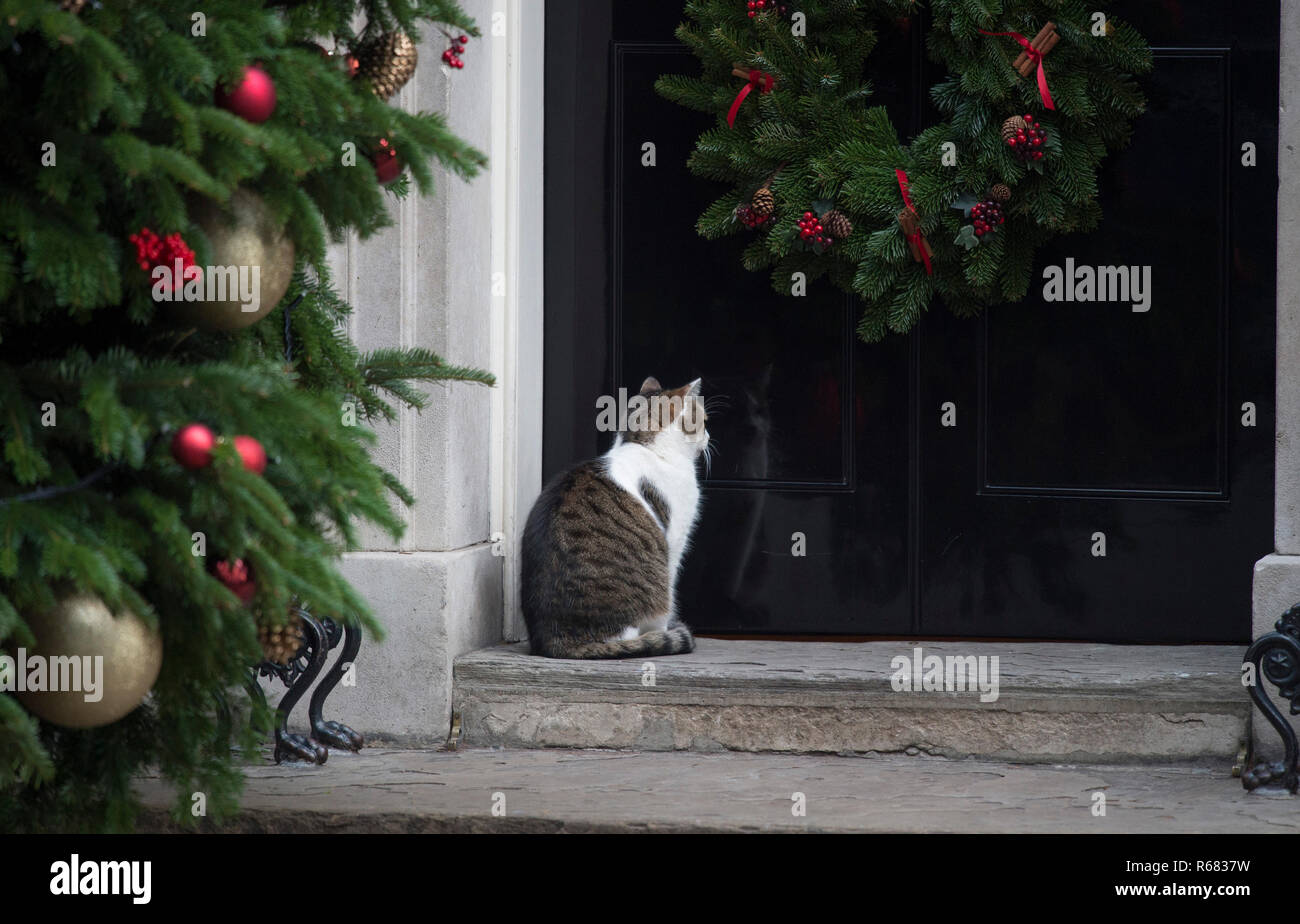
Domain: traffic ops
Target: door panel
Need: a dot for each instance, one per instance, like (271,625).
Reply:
(811,434)
(1089,420)
(1097,397)
(1073,418)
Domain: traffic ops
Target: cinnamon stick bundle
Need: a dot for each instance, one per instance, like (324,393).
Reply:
(911,224)
(1043,42)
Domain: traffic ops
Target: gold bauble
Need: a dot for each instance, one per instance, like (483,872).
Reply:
(80,625)
(243,235)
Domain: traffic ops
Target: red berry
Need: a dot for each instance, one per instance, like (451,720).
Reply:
(464,39)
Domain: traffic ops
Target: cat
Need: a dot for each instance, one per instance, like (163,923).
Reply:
(605,540)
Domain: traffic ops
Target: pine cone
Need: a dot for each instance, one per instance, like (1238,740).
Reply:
(387,61)
(1012,126)
(763,202)
(837,224)
(280,643)
(1001,192)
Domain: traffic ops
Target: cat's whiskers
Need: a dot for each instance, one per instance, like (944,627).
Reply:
(709,450)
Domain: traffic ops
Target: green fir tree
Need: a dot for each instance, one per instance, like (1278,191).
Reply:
(111,126)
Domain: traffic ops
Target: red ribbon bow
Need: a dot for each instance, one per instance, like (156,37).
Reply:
(916,239)
(1037,57)
(760,79)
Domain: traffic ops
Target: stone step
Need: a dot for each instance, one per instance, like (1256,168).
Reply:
(1055,701)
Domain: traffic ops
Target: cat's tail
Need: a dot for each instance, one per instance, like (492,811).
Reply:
(673,640)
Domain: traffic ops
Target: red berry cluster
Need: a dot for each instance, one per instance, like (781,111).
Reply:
(765,6)
(812,230)
(1027,144)
(751,219)
(451,57)
(152,250)
(987,215)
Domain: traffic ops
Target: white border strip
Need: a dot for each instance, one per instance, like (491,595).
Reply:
(517,266)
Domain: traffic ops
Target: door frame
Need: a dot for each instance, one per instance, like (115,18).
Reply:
(515,158)
(1277,576)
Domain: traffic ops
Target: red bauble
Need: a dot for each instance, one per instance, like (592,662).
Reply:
(192,445)
(387,165)
(237,577)
(251,452)
(253,99)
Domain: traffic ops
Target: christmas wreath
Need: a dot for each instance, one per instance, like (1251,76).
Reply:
(1036,93)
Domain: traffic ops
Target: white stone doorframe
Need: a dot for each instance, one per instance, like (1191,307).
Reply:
(518,104)
(1277,576)
(459,272)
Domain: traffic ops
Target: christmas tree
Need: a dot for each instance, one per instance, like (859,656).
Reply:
(183,421)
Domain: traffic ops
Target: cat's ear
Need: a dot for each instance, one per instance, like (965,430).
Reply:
(651,385)
(693,389)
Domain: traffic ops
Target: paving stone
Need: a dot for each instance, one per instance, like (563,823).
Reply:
(623,791)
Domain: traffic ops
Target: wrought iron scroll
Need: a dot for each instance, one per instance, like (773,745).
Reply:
(1276,658)
(319,638)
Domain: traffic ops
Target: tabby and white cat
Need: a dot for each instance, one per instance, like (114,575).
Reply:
(605,540)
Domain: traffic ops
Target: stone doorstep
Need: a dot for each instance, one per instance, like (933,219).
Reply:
(1057,701)
(422,791)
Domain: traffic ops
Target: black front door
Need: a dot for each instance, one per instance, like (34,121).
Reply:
(1052,470)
